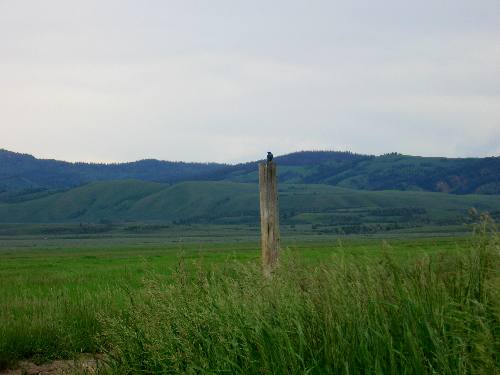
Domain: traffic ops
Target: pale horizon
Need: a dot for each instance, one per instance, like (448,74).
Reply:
(262,157)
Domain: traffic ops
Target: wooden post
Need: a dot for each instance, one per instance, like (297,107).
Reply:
(269,216)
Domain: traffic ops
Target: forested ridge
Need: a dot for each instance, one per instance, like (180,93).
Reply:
(25,175)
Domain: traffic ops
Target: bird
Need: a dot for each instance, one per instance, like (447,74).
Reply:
(269,156)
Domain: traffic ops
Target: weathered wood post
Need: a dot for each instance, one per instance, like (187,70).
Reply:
(269,215)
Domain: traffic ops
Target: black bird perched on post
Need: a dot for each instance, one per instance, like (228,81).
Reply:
(269,156)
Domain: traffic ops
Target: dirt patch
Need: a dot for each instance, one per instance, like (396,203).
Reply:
(83,365)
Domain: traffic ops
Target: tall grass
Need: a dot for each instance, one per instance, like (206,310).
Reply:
(57,326)
(348,315)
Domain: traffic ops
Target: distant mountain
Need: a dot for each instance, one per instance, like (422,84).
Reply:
(223,202)
(24,177)
(23,171)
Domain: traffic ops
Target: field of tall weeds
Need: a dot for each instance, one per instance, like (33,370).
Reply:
(433,314)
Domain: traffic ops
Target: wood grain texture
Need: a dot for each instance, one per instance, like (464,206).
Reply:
(269,215)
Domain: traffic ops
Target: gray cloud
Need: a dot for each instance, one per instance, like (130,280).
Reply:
(226,81)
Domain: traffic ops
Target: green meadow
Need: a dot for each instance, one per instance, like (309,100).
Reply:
(199,304)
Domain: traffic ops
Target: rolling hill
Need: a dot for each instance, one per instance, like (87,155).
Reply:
(23,177)
(21,172)
(225,202)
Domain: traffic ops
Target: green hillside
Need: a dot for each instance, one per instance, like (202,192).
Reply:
(23,176)
(223,202)
(386,172)
(23,172)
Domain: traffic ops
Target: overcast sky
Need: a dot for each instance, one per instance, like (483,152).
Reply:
(229,80)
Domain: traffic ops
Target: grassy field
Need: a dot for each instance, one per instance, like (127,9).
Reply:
(341,305)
